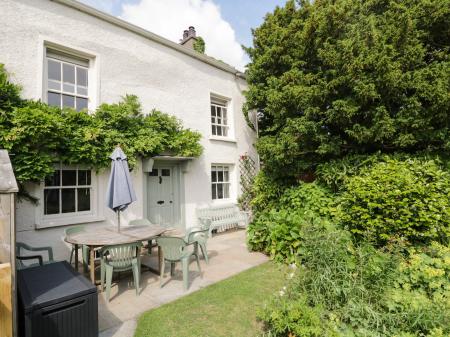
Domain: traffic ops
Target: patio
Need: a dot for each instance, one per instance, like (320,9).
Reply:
(228,256)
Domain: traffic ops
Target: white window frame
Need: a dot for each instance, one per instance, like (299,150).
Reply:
(47,44)
(221,168)
(64,59)
(53,220)
(223,103)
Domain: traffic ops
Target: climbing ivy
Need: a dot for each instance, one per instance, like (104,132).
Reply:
(199,45)
(37,135)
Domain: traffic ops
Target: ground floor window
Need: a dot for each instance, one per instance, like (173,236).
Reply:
(68,191)
(220,182)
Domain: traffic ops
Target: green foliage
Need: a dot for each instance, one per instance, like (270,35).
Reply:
(266,192)
(38,135)
(333,78)
(343,289)
(276,231)
(397,198)
(199,45)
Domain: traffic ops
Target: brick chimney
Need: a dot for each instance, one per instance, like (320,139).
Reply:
(189,37)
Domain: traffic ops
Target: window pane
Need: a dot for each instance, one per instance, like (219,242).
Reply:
(68,101)
(84,199)
(54,70)
(69,88)
(153,173)
(68,73)
(226,191)
(54,85)
(213,176)
(214,132)
(84,177)
(219,113)
(224,114)
(82,78)
(81,103)
(213,191)
(69,177)
(54,99)
(213,120)
(219,120)
(224,131)
(54,179)
(226,178)
(219,131)
(165,173)
(82,90)
(213,110)
(51,201)
(67,200)
(219,191)
(220,176)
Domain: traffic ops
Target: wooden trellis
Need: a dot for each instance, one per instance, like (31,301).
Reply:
(247,171)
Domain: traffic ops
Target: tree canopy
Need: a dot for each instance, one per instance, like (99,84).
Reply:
(336,77)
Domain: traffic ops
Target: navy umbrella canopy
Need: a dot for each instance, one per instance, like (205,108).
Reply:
(120,191)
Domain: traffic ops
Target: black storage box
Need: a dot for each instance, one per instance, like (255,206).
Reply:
(56,301)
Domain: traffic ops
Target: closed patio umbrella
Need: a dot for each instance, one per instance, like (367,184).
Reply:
(120,191)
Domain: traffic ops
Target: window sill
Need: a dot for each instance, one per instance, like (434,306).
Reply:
(223,139)
(71,220)
(219,202)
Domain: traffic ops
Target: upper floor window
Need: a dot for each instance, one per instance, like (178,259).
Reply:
(66,81)
(219,117)
(68,190)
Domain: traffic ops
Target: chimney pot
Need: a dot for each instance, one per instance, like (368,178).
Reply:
(192,31)
(185,34)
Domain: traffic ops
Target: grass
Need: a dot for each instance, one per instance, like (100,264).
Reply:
(227,308)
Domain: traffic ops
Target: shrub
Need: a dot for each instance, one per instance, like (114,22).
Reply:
(277,231)
(398,198)
(307,198)
(266,192)
(347,289)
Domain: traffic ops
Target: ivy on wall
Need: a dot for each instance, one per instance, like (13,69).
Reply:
(37,135)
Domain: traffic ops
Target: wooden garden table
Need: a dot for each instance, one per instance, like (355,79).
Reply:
(104,236)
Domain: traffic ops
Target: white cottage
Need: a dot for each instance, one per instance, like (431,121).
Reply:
(100,58)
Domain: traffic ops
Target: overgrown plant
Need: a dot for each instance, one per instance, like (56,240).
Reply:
(345,289)
(398,198)
(37,135)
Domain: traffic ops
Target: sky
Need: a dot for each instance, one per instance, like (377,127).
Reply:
(225,25)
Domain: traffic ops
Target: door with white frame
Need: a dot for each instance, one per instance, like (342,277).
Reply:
(161,198)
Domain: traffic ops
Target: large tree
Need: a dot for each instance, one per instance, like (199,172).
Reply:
(334,77)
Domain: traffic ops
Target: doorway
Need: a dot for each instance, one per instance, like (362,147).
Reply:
(162,196)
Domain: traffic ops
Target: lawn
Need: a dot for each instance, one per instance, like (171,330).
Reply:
(227,308)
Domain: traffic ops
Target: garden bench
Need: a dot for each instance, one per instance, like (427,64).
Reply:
(223,217)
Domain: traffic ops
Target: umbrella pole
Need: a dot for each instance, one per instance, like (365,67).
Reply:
(118,219)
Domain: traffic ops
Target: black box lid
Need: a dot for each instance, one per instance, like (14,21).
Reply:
(50,284)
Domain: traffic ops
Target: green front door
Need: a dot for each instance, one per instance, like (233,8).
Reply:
(160,196)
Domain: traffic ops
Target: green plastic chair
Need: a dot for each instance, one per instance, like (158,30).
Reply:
(118,258)
(21,247)
(174,250)
(199,236)
(143,222)
(84,248)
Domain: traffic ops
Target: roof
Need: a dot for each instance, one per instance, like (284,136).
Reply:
(8,182)
(151,36)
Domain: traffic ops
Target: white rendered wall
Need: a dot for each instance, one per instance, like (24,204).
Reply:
(125,63)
